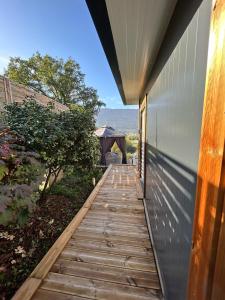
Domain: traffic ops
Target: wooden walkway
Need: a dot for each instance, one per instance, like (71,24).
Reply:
(104,253)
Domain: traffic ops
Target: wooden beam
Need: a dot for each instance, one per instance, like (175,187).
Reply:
(210,184)
(28,289)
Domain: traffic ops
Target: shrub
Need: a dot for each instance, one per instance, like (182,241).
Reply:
(20,175)
(17,202)
(76,182)
(61,139)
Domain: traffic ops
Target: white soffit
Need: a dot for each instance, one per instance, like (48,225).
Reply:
(138,28)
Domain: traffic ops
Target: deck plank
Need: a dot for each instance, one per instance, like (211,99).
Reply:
(107,273)
(108,254)
(110,259)
(96,289)
(111,247)
(84,235)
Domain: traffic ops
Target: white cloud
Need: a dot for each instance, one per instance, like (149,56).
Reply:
(4,60)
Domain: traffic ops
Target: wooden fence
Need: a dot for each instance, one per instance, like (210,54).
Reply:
(11,92)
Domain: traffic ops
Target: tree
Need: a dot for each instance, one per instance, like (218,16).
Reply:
(61,80)
(61,139)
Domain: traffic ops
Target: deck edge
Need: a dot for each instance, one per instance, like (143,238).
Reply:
(26,290)
(161,282)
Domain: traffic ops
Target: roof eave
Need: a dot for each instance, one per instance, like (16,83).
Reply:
(99,14)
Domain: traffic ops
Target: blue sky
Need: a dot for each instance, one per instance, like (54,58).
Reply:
(60,28)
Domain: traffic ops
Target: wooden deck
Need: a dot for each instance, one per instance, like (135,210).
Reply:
(104,253)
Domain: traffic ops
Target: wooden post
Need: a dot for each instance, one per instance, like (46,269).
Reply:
(139,140)
(143,137)
(210,184)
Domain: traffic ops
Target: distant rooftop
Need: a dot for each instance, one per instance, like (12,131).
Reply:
(107,131)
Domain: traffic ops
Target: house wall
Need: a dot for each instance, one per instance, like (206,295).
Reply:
(174,115)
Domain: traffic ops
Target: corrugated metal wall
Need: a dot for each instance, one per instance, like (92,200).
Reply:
(174,116)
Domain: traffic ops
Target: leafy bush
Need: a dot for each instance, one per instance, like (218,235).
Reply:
(131,148)
(20,175)
(17,202)
(75,182)
(62,139)
(131,143)
(19,193)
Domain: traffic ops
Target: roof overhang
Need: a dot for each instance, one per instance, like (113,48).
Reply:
(138,36)
(131,32)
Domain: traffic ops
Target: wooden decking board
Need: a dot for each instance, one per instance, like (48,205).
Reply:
(114,223)
(106,273)
(115,218)
(42,294)
(96,289)
(133,209)
(114,226)
(104,214)
(127,240)
(105,253)
(111,247)
(114,232)
(109,259)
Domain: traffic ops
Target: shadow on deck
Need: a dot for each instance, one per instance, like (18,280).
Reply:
(104,253)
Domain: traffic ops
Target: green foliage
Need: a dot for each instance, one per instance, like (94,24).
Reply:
(132,137)
(75,182)
(131,143)
(61,139)
(58,79)
(3,170)
(17,201)
(20,175)
(27,173)
(131,148)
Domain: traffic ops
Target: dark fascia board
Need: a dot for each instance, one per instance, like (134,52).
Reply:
(99,14)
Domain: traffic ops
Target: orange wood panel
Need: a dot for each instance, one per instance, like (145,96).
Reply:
(210,185)
(218,289)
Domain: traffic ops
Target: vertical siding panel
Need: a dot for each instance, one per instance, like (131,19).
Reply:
(175,105)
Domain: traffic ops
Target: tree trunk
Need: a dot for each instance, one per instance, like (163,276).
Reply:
(46,184)
(56,176)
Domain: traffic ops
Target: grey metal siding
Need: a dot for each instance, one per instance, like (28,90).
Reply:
(174,116)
